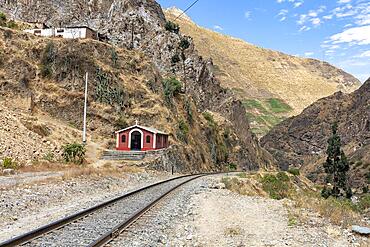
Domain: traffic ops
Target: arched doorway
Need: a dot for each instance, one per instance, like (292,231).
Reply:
(136,140)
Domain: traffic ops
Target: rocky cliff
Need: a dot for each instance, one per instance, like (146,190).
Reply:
(272,85)
(301,141)
(140,25)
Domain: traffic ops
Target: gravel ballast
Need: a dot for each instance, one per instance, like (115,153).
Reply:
(26,207)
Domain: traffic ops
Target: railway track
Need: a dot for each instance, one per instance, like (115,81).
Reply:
(100,224)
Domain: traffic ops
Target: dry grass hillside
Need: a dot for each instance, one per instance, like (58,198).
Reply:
(41,98)
(260,76)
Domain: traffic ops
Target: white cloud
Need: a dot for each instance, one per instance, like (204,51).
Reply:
(247,14)
(316,21)
(302,19)
(297,4)
(304,28)
(364,54)
(328,17)
(353,36)
(311,17)
(312,13)
(308,54)
(321,9)
(283,14)
(344,1)
(217,27)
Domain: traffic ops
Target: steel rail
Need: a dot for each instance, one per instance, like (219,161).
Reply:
(27,237)
(115,232)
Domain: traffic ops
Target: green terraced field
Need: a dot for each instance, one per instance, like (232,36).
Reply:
(264,114)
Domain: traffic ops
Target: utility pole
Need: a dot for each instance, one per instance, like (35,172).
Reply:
(132,35)
(85,111)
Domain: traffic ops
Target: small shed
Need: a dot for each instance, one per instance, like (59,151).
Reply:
(141,138)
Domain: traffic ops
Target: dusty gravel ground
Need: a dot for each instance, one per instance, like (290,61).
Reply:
(198,215)
(26,207)
(194,215)
(27,178)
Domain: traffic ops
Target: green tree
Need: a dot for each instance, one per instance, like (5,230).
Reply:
(336,167)
(172,27)
(171,87)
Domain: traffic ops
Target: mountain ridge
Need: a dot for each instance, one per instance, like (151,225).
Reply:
(253,72)
(301,141)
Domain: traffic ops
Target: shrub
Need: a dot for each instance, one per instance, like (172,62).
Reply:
(74,152)
(2,16)
(49,157)
(12,25)
(211,121)
(46,71)
(278,186)
(294,171)
(106,92)
(114,57)
(365,189)
(2,19)
(172,87)
(292,220)
(175,59)
(172,27)
(48,59)
(183,131)
(339,211)
(364,202)
(358,164)
(325,192)
(232,167)
(8,163)
(184,44)
(189,111)
(283,177)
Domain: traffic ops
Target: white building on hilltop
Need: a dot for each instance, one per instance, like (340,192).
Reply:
(76,32)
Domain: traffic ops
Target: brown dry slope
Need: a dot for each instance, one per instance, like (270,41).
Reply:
(301,141)
(158,46)
(257,74)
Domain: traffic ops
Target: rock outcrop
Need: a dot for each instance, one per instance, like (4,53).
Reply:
(302,140)
(140,24)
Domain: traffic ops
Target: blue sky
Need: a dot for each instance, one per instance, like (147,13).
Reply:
(337,31)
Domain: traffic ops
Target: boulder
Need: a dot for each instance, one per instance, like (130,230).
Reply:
(219,186)
(8,172)
(361,230)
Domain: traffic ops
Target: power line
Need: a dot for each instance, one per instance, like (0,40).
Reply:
(186,10)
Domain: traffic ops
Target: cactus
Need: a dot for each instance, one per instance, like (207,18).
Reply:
(106,92)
